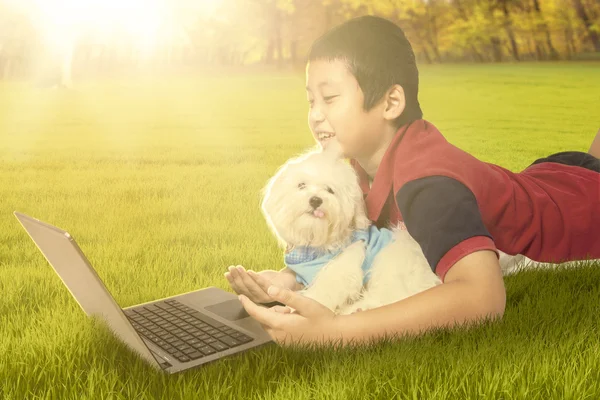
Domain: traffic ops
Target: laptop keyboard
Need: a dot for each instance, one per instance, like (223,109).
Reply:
(183,332)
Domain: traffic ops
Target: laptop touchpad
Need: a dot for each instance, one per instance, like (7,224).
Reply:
(230,309)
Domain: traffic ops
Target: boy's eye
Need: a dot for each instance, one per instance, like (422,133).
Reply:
(330,190)
(301,185)
(329,98)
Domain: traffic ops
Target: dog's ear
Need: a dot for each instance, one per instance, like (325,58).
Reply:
(360,221)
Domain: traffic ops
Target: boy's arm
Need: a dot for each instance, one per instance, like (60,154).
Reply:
(473,288)
(595,146)
(455,240)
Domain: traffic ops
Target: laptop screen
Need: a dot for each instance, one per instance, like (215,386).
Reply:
(69,262)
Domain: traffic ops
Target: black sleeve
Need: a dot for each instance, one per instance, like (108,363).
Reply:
(439,213)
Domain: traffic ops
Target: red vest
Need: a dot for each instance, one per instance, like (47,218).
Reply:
(549,212)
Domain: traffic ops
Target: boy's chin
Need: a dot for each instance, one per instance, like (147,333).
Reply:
(327,142)
(332,146)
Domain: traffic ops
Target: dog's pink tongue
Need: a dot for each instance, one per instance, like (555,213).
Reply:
(318,213)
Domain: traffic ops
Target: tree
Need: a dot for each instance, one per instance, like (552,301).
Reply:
(591,28)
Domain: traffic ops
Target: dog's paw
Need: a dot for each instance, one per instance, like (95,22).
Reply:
(349,309)
(360,305)
(358,247)
(355,253)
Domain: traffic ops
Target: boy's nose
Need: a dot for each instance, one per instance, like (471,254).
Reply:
(315,201)
(315,115)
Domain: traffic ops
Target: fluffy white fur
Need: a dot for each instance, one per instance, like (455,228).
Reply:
(399,270)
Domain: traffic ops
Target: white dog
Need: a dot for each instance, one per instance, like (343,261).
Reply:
(315,207)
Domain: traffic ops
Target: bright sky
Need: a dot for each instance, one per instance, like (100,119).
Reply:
(143,20)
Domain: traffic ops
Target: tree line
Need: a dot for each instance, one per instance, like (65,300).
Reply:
(279,32)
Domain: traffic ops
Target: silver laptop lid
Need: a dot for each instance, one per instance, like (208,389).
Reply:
(69,262)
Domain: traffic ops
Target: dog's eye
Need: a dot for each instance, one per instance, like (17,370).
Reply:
(330,190)
(301,185)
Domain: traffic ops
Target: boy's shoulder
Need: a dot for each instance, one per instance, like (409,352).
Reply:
(421,151)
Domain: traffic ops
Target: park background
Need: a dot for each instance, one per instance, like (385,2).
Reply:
(148,128)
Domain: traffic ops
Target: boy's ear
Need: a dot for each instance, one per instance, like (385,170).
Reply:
(395,102)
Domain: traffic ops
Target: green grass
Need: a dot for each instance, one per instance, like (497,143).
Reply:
(159,182)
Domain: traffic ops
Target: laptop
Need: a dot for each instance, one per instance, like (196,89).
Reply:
(172,334)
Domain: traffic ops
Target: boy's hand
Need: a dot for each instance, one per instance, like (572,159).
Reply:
(254,285)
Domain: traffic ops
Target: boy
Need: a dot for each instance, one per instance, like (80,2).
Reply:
(362,85)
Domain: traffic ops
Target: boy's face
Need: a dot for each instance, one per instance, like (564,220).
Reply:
(336,110)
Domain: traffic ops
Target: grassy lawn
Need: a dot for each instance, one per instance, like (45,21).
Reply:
(159,183)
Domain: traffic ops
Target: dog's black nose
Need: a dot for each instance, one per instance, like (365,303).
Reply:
(315,201)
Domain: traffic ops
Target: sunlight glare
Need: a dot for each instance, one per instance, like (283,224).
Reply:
(143,21)
(63,20)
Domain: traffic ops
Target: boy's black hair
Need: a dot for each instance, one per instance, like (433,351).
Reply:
(379,55)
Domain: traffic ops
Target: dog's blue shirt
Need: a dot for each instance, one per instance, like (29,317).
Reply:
(306,261)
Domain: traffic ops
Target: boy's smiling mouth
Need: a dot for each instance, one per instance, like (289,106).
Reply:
(324,136)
